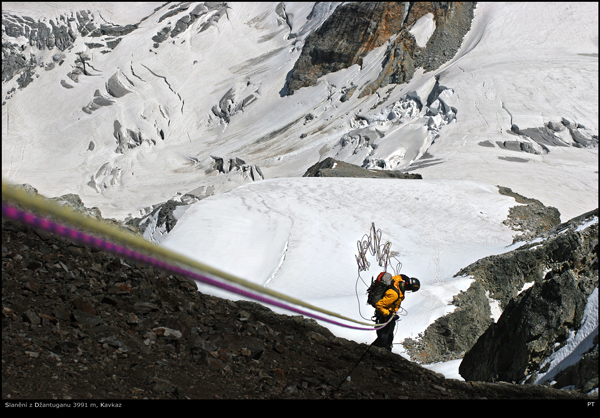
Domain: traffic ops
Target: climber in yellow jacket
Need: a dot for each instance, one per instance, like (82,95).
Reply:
(388,305)
(391,300)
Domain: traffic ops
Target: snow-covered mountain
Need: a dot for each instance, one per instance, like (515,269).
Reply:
(130,105)
(147,99)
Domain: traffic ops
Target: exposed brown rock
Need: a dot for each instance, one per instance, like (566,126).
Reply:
(345,38)
(355,29)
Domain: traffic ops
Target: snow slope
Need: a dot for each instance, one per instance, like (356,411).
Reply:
(299,237)
(525,64)
(522,63)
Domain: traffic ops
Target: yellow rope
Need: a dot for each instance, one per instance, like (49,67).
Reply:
(41,205)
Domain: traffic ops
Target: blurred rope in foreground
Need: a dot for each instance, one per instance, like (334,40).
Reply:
(125,244)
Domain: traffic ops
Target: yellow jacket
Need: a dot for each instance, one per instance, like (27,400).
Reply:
(390,302)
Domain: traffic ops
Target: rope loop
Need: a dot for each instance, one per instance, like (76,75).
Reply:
(372,243)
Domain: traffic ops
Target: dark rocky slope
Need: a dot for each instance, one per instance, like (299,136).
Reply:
(78,323)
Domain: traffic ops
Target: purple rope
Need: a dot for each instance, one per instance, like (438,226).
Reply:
(78,236)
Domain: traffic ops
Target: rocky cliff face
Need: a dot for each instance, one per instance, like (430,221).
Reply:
(561,266)
(537,322)
(355,29)
(533,326)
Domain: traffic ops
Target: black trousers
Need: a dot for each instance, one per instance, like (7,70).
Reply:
(385,335)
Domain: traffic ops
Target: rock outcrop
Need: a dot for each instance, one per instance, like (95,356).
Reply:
(537,322)
(355,29)
(560,265)
(533,326)
(74,202)
(162,218)
(345,38)
(531,218)
(330,167)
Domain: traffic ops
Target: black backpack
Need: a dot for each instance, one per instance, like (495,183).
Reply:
(378,288)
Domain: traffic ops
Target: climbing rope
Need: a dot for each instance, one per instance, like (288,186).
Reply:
(372,243)
(128,245)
